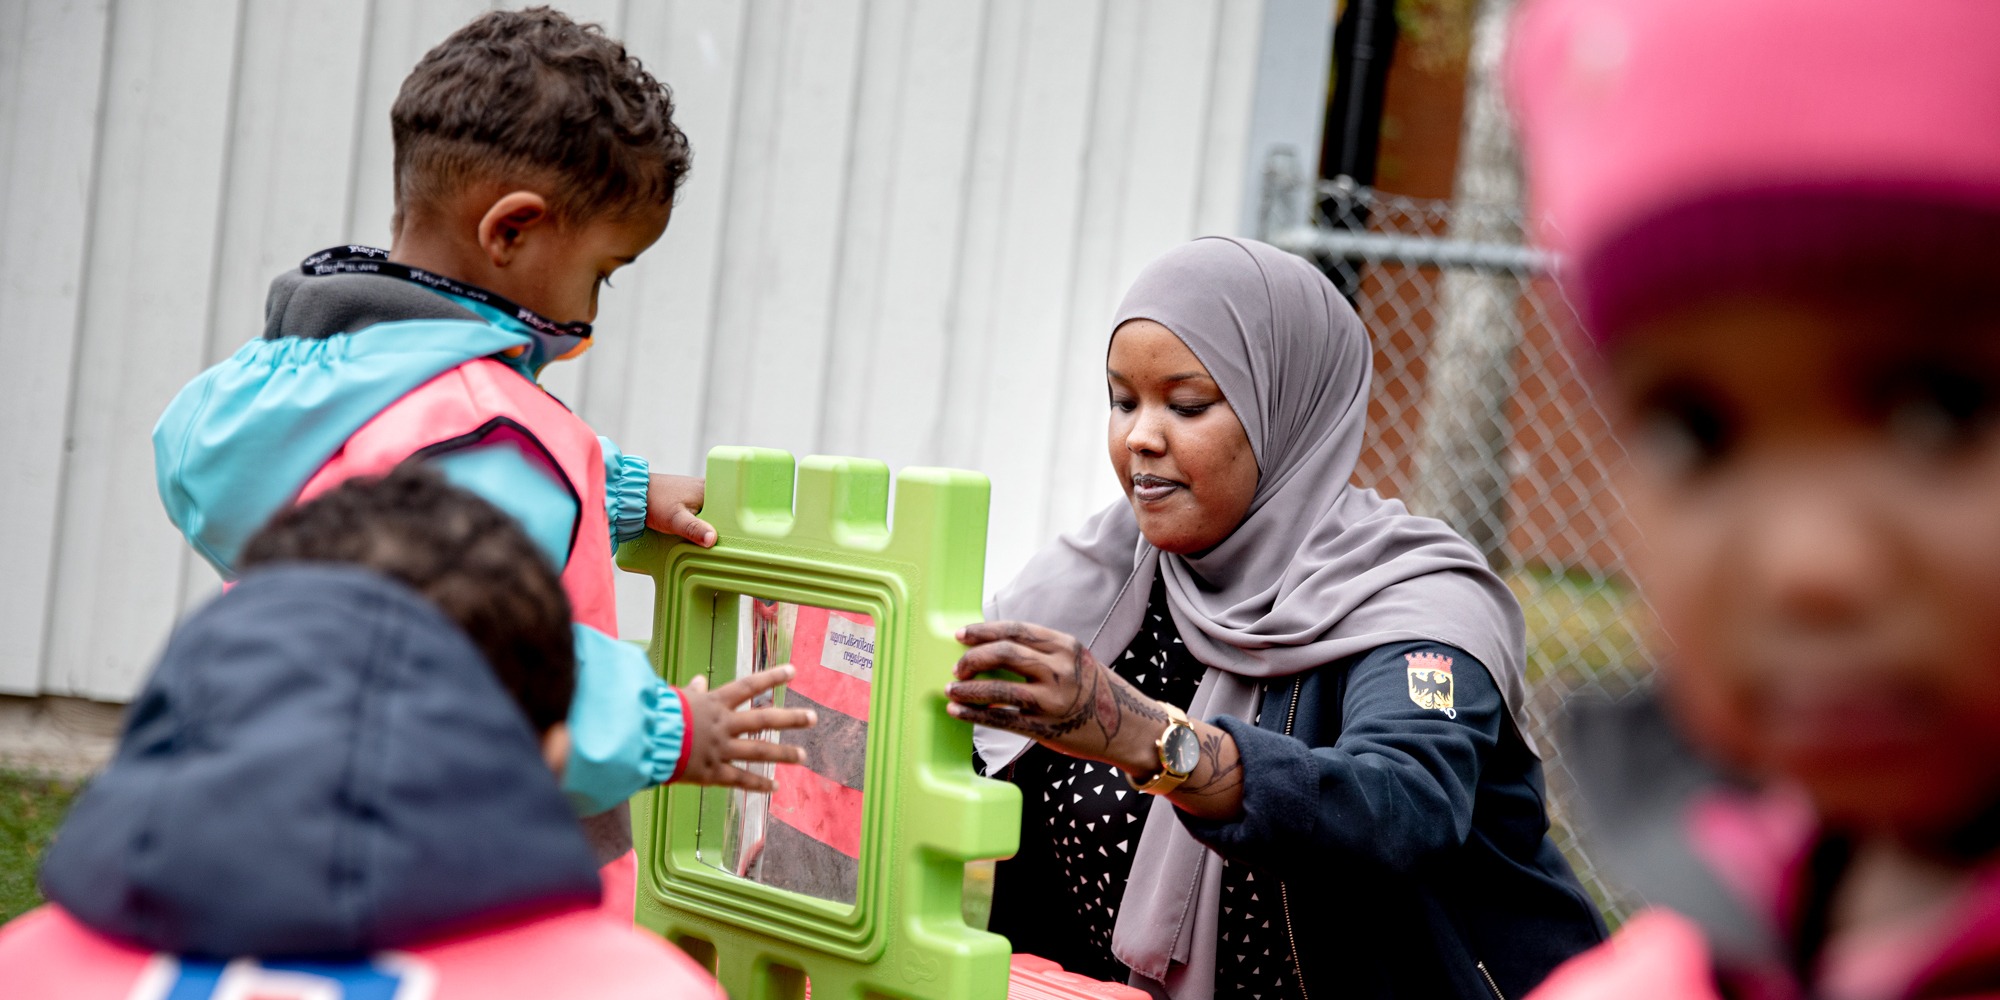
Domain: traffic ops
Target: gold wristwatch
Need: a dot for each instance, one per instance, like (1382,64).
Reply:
(1179,750)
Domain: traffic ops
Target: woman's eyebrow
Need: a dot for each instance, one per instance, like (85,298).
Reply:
(1176,377)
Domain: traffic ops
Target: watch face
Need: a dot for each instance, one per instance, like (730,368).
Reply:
(1182,750)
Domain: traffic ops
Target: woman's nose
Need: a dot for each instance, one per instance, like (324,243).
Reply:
(1147,435)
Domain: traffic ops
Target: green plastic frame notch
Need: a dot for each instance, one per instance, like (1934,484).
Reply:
(830,544)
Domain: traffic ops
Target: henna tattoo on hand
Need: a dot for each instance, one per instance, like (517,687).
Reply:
(1090,693)
(1129,699)
(1073,715)
(1078,711)
(1105,705)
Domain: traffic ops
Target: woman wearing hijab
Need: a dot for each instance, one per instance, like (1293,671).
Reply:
(1266,722)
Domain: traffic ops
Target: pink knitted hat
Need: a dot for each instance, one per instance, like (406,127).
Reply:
(1679,148)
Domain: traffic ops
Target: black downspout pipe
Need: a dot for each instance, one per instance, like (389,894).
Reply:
(1364,43)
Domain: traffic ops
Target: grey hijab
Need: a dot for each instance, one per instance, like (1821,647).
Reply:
(1318,571)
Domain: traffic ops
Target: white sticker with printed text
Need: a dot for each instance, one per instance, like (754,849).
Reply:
(849,647)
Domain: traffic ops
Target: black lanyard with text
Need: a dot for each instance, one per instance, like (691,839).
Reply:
(558,339)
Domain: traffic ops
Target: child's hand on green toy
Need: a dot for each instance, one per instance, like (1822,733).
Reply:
(671,505)
(719,733)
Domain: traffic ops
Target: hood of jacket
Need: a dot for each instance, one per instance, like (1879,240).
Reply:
(238,443)
(321,762)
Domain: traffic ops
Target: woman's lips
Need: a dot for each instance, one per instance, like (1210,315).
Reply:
(1153,489)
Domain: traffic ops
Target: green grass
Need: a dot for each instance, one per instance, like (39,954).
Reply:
(1581,629)
(977,906)
(1586,634)
(30,808)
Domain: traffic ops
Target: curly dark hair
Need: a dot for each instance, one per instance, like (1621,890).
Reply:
(464,554)
(532,97)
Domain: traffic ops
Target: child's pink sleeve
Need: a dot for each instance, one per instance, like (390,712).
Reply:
(1657,955)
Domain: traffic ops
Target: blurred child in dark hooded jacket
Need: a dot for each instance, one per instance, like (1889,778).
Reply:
(338,782)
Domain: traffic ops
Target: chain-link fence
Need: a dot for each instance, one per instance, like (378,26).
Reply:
(1480,417)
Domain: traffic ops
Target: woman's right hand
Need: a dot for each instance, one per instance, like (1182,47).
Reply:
(1067,700)
(1072,704)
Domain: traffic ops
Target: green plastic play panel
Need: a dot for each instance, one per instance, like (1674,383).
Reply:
(830,544)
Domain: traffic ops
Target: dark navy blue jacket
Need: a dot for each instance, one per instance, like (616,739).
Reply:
(320,763)
(1413,842)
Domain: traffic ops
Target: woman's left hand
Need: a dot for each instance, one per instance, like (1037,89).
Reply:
(1066,700)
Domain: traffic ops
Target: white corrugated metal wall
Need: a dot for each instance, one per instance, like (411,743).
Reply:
(907,224)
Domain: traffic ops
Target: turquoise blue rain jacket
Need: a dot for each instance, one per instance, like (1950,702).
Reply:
(240,441)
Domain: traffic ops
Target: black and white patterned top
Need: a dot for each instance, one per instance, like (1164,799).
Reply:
(1091,819)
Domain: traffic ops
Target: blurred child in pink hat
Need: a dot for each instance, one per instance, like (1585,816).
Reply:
(1777,219)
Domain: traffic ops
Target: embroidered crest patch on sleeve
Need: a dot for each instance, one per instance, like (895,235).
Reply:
(1430,681)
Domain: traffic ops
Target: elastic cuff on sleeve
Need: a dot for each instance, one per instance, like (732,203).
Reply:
(625,725)
(625,497)
(687,736)
(666,732)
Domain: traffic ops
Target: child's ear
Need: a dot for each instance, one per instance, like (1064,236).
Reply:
(506,227)
(555,747)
